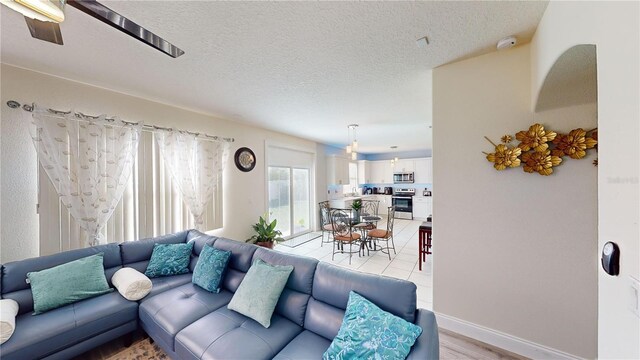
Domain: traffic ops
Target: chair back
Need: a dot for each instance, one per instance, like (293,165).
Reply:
(341,221)
(391,216)
(325,217)
(370,207)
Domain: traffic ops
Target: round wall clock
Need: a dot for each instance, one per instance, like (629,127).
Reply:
(245,159)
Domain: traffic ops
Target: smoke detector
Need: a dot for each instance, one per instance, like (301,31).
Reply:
(506,43)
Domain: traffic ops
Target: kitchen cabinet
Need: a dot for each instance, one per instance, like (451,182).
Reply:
(364,172)
(423,171)
(337,170)
(422,207)
(404,165)
(381,172)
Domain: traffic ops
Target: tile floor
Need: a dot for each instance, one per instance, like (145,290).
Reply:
(403,265)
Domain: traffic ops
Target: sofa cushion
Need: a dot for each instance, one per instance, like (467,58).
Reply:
(332,285)
(367,332)
(307,345)
(68,283)
(169,259)
(165,314)
(14,275)
(199,241)
(260,291)
(165,283)
(293,301)
(210,269)
(38,336)
(239,264)
(225,334)
(136,254)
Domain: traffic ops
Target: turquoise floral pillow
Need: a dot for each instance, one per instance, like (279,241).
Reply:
(210,268)
(368,332)
(169,259)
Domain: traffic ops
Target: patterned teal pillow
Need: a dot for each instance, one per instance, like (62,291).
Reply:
(210,268)
(169,259)
(259,291)
(68,283)
(368,332)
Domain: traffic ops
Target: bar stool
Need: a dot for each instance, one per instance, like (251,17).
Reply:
(424,246)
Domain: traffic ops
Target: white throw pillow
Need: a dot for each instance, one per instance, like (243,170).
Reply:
(131,284)
(8,312)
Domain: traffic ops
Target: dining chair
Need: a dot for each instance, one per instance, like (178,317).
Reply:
(369,208)
(343,234)
(385,235)
(325,222)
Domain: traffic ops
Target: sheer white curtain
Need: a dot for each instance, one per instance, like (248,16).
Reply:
(89,162)
(195,163)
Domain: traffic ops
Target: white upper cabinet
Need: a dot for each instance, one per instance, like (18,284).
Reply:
(423,171)
(337,170)
(404,165)
(381,172)
(364,172)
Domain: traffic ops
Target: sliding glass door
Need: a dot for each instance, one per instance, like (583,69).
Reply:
(289,199)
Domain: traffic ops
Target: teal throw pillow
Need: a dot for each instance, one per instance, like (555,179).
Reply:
(68,283)
(210,268)
(368,332)
(259,291)
(169,259)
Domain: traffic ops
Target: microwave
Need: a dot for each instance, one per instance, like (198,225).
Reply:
(403,178)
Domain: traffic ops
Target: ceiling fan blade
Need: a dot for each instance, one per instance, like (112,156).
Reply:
(112,18)
(44,30)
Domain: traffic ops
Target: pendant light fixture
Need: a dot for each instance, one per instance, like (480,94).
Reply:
(395,158)
(352,147)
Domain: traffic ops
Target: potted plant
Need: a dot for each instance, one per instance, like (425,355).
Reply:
(356,206)
(266,233)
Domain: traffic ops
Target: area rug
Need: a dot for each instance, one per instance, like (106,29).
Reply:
(302,239)
(141,350)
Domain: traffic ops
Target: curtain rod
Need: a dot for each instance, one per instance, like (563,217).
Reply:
(29,108)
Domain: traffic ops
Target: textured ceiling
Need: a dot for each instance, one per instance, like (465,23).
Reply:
(304,68)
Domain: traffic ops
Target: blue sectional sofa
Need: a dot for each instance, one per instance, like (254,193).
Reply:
(189,322)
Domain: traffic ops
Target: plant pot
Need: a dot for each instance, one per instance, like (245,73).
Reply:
(266,244)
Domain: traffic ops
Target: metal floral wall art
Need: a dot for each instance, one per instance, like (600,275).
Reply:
(540,150)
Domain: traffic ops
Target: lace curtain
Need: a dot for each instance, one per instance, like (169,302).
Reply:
(89,161)
(196,164)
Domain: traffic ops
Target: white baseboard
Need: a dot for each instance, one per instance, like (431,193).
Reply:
(500,339)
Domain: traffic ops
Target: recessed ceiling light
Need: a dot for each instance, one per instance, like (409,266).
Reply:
(422,42)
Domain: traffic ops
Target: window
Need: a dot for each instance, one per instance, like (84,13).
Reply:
(290,188)
(289,199)
(150,206)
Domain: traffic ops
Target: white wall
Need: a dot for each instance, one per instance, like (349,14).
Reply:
(514,252)
(615,30)
(244,193)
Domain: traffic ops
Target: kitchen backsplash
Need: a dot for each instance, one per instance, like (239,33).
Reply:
(336,191)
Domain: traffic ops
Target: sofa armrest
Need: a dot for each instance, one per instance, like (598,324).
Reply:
(427,346)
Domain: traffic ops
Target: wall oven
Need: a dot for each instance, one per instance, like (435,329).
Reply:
(402,199)
(403,178)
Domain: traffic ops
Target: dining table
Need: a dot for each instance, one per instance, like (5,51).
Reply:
(362,224)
